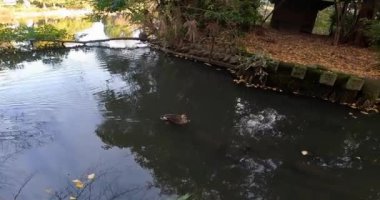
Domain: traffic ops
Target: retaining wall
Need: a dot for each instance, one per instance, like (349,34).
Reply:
(313,80)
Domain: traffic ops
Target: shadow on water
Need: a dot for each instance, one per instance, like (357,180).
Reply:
(241,143)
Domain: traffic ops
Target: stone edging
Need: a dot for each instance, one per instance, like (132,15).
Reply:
(313,81)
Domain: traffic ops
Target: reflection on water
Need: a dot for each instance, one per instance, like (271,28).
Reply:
(69,113)
(87,28)
(97,32)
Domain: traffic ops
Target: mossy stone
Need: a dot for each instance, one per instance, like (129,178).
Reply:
(313,66)
(328,78)
(313,75)
(286,65)
(299,72)
(321,67)
(371,89)
(273,65)
(341,80)
(354,83)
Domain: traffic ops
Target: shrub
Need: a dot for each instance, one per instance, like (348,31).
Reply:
(373,32)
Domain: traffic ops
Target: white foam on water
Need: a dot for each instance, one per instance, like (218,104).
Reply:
(262,121)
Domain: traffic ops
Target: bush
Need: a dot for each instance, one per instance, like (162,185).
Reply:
(241,12)
(373,33)
(25,33)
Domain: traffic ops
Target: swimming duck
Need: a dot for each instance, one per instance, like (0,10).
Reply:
(175,119)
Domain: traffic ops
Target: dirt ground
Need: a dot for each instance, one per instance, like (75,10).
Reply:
(314,49)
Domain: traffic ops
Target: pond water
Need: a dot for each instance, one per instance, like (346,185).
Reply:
(69,113)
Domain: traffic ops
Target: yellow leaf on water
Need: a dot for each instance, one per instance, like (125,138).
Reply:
(78,184)
(76,181)
(91,176)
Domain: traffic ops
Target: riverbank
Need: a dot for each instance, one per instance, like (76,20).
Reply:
(307,49)
(258,71)
(12,15)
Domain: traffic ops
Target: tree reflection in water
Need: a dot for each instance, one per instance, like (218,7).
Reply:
(19,131)
(206,157)
(234,147)
(15,60)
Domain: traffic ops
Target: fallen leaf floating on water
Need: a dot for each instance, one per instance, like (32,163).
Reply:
(304,152)
(72,198)
(91,176)
(363,112)
(78,184)
(373,110)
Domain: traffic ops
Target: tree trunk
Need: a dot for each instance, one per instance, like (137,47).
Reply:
(338,22)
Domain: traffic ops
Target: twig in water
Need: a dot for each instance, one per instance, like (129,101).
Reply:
(27,180)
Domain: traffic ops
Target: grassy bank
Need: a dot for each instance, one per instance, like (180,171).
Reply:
(13,14)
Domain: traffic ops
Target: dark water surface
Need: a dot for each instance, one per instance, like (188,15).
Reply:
(66,114)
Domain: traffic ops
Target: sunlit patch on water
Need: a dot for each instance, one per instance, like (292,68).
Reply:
(256,124)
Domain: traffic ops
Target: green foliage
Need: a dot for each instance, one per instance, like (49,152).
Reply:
(174,21)
(72,25)
(242,12)
(112,5)
(25,33)
(117,26)
(373,32)
(60,3)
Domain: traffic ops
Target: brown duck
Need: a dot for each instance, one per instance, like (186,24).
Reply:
(175,119)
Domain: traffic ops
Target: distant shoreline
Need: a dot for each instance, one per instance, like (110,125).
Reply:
(53,13)
(13,15)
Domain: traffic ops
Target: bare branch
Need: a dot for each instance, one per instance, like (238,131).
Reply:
(27,180)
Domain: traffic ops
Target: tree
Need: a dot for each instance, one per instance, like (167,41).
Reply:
(170,19)
(367,12)
(352,18)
